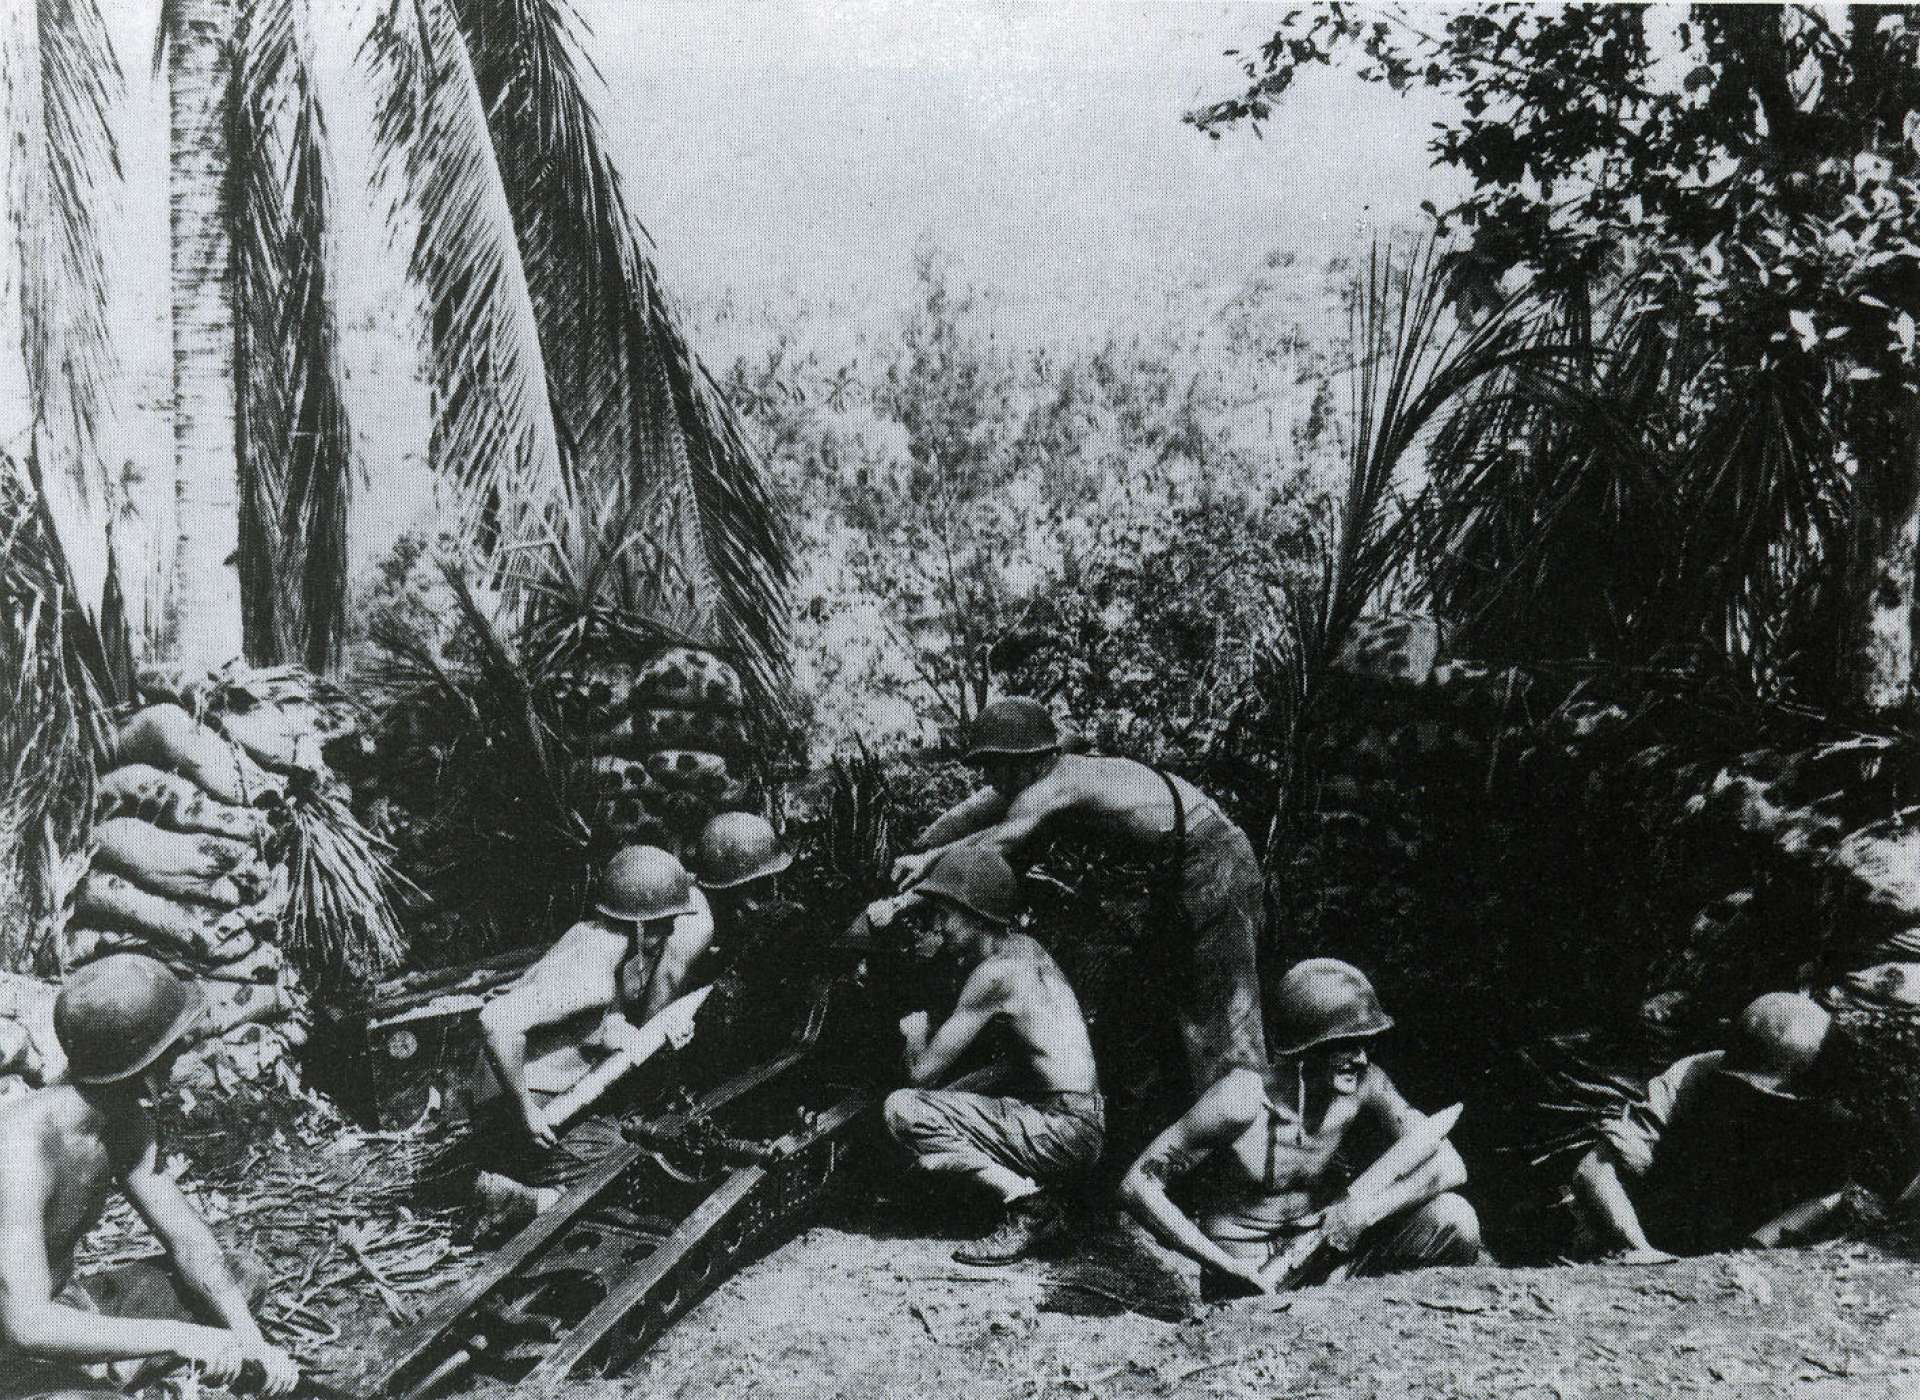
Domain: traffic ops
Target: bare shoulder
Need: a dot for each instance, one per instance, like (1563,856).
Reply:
(588,941)
(1236,1100)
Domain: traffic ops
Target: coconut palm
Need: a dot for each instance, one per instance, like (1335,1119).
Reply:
(554,358)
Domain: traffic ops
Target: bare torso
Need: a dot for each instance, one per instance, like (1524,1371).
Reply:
(1046,1032)
(61,1158)
(1283,1168)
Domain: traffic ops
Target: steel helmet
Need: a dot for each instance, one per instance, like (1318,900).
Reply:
(1778,1037)
(116,1016)
(1325,999)
(642,883)
(737,847)
(974,879)
(1012,726)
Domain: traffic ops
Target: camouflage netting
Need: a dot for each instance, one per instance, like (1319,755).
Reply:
(1561,883)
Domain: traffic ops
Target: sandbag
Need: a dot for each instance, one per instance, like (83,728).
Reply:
(171,801)
(197,869)
(167,737)
(690,771)
(273,739)
(670,728)
(111,902)
(681,676)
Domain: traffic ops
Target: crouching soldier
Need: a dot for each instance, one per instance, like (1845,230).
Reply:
(614,990)
(1726,1151)
(1289,1208)
(768,967)
(122,1022)
(1019,1146)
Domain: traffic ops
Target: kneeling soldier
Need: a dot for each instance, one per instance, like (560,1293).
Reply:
(122,1022)
(610,994)
(1016,1146)
(1726,1151)
(1292,1209)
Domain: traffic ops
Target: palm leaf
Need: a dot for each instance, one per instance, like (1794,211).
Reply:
(636,407)
(63,84)
(493,429)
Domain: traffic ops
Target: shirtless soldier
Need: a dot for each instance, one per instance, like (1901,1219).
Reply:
(122,1022)
(1209,890)
(1290,1141)
(615,984)
(1015,1146)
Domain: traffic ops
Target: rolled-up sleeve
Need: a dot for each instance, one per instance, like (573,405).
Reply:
(1633,1136)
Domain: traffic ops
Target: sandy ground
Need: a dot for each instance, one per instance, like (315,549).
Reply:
(866,1304)
(838,1313)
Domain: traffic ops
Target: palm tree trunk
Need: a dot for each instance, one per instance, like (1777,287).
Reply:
(1884,593)
(207,579)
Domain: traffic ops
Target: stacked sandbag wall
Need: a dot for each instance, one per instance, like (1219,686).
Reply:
(189,865)
(667,744)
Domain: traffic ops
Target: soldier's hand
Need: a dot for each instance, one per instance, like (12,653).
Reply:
(1341,1226)
(1648,1255)
(1253,1277)
(909,868)
(540,1130)
(218,1355)
(279,1372)
(913,1027)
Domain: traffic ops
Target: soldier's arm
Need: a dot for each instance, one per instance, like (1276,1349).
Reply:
(34,1323)
(1441,1170)
(673,974)
(964,818)
(1031,810)
(574,976)
(982,999)
(202,1264)
(1223,1113)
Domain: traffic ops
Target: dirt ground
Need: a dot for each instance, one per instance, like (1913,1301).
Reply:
(838,1313)
(866,1304)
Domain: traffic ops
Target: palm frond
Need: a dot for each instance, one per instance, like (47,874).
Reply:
(64,82)
(1412,359)
(635,405)
(493,433)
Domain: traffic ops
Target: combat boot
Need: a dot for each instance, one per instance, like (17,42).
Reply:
(1028,1222)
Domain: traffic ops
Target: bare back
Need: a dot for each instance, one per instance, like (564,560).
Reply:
(1046,1031)
(61,1158)
(1117,798)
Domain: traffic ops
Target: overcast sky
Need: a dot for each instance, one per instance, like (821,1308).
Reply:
(809,146)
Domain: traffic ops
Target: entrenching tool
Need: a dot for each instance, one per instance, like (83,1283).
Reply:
(1307,1252)
(597,1277)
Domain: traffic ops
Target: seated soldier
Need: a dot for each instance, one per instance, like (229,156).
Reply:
(1291,1142)
(605,998)
(1726,1151)
(1016,1146)
(122,1022)
(766,964)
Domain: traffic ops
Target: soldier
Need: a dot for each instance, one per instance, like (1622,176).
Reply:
(768,965)
(1291,1142)
(1017,1145)
(122,1022)
(1727,1149)
(616,984)
(1207,883)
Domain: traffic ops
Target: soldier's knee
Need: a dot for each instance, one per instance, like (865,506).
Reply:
(1454,1219)
(905,1112)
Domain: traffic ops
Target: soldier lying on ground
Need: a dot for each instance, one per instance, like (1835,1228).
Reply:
(1207,884)
(1726,1150)
(1020,1146)
(616,984)
(122,1022)
(1291,1141)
